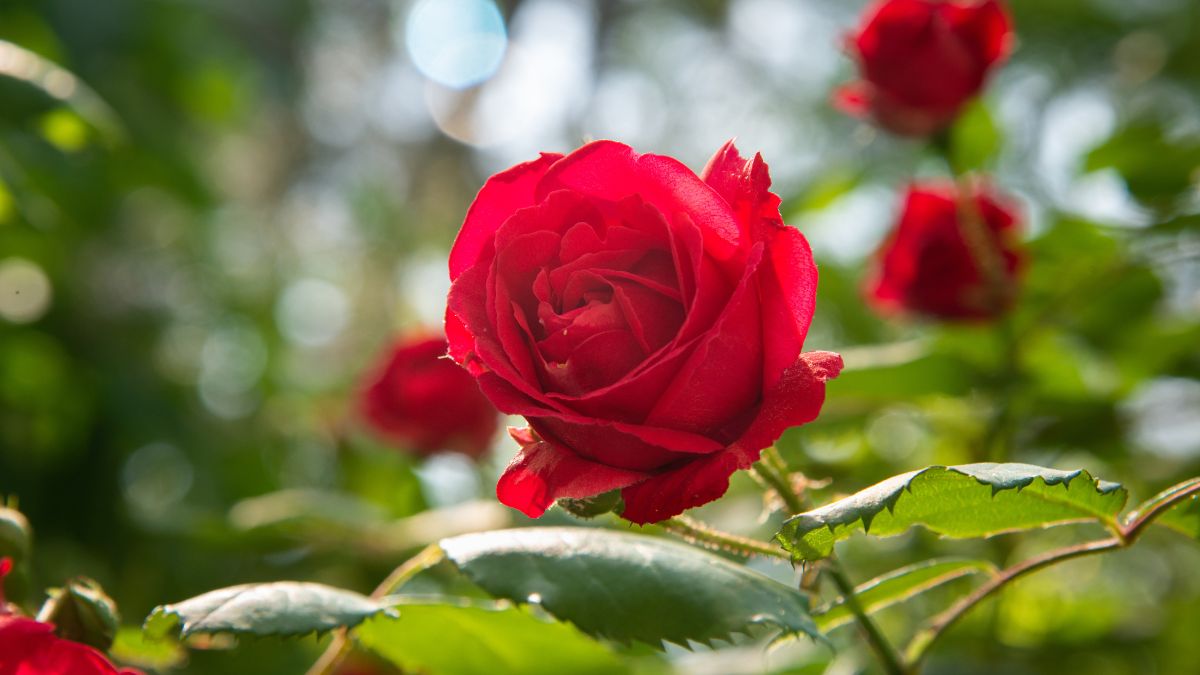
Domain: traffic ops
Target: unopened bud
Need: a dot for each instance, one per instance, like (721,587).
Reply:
(15,540)
(81,612)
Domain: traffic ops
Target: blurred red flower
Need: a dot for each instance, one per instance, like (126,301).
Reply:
(29,647)
(422,401)
(921,60)
(950,256)
(648,322)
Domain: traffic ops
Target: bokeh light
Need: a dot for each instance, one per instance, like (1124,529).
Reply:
(25,290)
(456,43)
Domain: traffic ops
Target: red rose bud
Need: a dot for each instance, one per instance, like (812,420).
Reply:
(921,60)
(424,402)
(646,321)
(29,647)
(950,256)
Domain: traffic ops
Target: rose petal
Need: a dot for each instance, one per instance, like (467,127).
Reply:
(671,493)
(501,196)
(543,472)
(796,399)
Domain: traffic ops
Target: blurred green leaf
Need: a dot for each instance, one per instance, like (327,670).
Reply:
(900,585)
(431,638)
(628,587)
(281,608)
(972,500)
(1157,166)
(133,647)
(975,140)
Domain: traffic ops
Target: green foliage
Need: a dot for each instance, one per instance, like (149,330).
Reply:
(282,608)
(972,500)
(628,587)
(1183,517)
(900,585)
(463,640)
(975,140)
(132,646)
(1157,166)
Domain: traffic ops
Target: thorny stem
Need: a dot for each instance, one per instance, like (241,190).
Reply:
(339,647)
(1127,535)
(773,471)
(697,532)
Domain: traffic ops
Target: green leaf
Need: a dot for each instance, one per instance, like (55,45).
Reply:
(1183,517)
(133,647)
(972,500)
(628,587)
(431,639)
(900,585)
(975,139)
(281,608)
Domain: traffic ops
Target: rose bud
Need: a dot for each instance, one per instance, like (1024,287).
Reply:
(29,647)
(921,60)
(646,321)
(949,256)
(421,401)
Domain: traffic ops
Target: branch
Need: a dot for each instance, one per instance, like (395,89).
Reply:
(696,532)
(339,647)
(919,646)
(1156,506)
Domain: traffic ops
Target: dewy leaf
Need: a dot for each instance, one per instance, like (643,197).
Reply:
(971,500)
(628,587)
(900,585)
(430,639)
(281,608)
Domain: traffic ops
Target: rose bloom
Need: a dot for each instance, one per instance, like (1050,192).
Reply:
(647,322)
(921,60)
(930,265)
(422,401)
(29,647)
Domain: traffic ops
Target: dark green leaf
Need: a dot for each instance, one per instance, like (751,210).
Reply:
(430,639)
(628,587)
(900,585)
(972,500)
(281,608)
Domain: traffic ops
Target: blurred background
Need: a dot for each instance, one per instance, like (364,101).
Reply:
(215,213)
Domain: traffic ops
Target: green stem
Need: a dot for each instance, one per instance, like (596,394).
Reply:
(339,647)
(924,639)
(773,471)
(700,533)
(883,649)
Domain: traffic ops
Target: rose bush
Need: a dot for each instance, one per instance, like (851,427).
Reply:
(423,402)
(921,60)
(29,647)
(930,265)
(646,321)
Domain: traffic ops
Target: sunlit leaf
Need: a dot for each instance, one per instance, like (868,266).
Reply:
(430,639)
(134,647)
(972,500)
(900,585)
(281,608)
(628,587)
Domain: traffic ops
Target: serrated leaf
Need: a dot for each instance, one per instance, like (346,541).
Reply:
(628,587)
(900,585)
(280,608)
(971,500)
(430,638)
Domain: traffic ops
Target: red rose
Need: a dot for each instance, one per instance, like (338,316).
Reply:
(949,257)
(29,647)
(423,402)
(647,322)
(921,60)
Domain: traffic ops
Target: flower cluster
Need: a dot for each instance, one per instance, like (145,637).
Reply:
(953,253)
